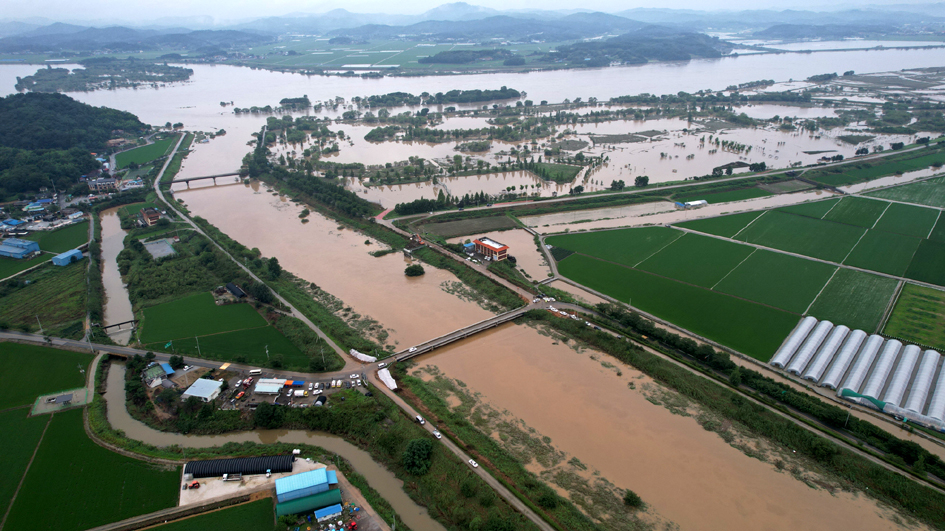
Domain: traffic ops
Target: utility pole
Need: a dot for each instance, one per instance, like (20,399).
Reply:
(267,352)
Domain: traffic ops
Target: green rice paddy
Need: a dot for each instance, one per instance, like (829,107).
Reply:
(855,299)
(145,154)
(54,370)
(812,209)
(909,220)
(12,266)
(61,240)
(726,226)
(783,281)
(927,264)
(253,516)
(884,252)
(930,192)
(802,235)
(18,449)
(626,246)
(74,484)
(938,233)
(196,315)
(857,211)
(918,316)
(696,259)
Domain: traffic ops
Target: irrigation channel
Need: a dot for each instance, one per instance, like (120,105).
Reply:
(382,480)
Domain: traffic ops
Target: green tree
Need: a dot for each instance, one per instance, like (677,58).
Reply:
(275,270)
(417,456)
(176,362)
(414,270)
(632,500)
(641,181)
(268,416)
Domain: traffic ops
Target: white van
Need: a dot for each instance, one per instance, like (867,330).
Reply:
(255,372)
(420,420)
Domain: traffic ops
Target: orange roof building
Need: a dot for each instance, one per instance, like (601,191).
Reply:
(491,249)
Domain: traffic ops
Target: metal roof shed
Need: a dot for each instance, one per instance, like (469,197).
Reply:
(328,512)
(167,369)
(203,389)
(240,465)
(67,257)
(301,485)
(309,503)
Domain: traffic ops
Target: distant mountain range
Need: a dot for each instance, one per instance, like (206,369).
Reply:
(69,37)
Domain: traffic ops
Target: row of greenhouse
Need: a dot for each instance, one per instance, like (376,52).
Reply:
(869,369)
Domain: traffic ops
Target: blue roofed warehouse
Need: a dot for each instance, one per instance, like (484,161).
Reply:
(67,257)
(17,248)
(304,484)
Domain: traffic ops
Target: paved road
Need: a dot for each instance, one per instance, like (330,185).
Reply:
(349,362)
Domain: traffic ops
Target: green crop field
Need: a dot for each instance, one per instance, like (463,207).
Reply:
(927,263)
(12,266)
(144,154)
(53,370)
(249,343)
(812,209)
(930,192)
(884,252)
(196,315)
(697,259)
(62,240)
(21,437)
(74,484)
(855,299)
(465,227)
(725,197)
(938,233)
(727,226)
(559,173)
(55,297)
(918,316)
(868,170)
(799,234)
(857,211)
(626,246)
(776,279)
(253,516)
(909,220)
(751,328)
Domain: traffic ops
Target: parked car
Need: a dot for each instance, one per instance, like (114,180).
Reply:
(420,420)
(437,434)
(240,396)
(311,386)
(381,365)
(473,463)
(354,376)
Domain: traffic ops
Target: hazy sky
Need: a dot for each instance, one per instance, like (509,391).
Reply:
(228,10)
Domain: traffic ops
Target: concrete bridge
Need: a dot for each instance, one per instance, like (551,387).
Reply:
(214,177)
(463,333)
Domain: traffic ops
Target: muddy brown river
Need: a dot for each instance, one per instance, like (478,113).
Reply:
(381,479)
(117,304)
(689,475)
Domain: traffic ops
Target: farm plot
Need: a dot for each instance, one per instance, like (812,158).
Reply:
(884,252)
(776,279)
(812,209)
(927,263)
(930,193)
(857,211)
(196,315)
(17,449)
(144,154)
(726,226)
(725,197)
(463,227)
(61,240)
(697,259)
(60,370)
(253,516)
(938,233)
(55,297)
(802,235)
(909,220)
(918,316)
(748,327)
(626,246)
(855,299)
(12,266)
(258,346)
(74,484)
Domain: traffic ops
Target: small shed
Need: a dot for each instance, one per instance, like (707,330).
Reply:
(67,257)
(269,386)
(167,368)
(328,513)
(235,290)
(204,389)
(64,399)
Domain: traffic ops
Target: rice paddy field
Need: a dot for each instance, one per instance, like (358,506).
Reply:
(927,263)
(783,281)
(621,246)
(696,259)
(802,235)
(56,296)
(61,240)
(930,192)
(253,516)
(59,370)
(812,209)
(857,211)
(74,484)
(884,252)
(909,220)
(10,266)
(196,315)
(727,226)
(145,154)
(17,449)
(855,299)
(918,316)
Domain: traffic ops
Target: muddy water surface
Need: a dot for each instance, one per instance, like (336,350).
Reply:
(337,260)
(546,222)
(689,475)
(382,480)
(117,304)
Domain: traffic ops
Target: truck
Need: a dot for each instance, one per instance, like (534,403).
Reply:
(298,393)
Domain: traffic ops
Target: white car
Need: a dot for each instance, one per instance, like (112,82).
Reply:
(316,392)
(354,376)
(412,349)
(437,434)
(473,463)
(381,365)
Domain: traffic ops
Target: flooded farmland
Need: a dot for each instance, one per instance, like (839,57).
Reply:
(410,309)
(605,417)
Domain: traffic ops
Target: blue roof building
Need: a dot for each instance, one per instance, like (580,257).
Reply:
(167,369)
(19,249)
(331,511)
(67,257)
(13,222)
(304,484)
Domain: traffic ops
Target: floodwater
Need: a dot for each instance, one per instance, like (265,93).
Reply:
(543,222)
(689,475)
(380,479)
(850,44)
(415,308)
(117,304)
(522,246)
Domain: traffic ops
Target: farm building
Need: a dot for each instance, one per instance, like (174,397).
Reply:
(328,513)
(269,386)
(19,249)
(491,249)
(67,257)
(874,371)
(235,290)
(240,465)
(309,503)
(305,484)
(103,184)
(203,389)
(167,368)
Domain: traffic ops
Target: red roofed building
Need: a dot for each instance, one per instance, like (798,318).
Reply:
(492,249)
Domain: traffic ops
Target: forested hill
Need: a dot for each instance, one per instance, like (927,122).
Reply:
(56,121)
(47,140)
(653,43)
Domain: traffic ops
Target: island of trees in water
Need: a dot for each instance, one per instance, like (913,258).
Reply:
(102,73)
